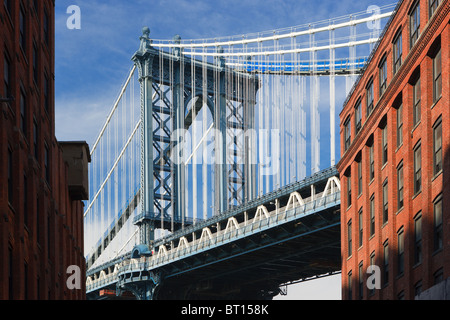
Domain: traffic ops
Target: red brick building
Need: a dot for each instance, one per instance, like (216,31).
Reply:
(395,159)
(41,215)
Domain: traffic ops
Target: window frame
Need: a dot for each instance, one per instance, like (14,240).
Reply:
(417,254)
(416,95)
(349,188)
(7,76)
(369,97)
(372,216)
(417,168)
(437,75)
(432,6)
(10,170)
(384,144)
(437,153)
(400,187)
(349,239)
(437,225)
(360,227)
(358,116)
(360,177)
(397,51)
(347,133)
(372,161)
(414,23)
(385,201)
(400,251)
(399,113)
(386,263)
(382,75)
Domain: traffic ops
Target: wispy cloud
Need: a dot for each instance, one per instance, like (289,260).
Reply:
(91,63)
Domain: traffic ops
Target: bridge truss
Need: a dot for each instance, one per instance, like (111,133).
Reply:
(201,127)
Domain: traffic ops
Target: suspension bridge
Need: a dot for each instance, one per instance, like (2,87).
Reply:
(214,173)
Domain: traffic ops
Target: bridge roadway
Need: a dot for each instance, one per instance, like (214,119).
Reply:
(247,252)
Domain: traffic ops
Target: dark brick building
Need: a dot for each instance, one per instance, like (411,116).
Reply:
(395,165)
(41,215)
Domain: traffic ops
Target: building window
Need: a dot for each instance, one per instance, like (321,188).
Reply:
(384,144)
(400,186)
(437,79)
(22,28)
(414,23)
(10,273)
(6,78)
(417,169)
(438,276)
(46,27)
(358,117)
(350,285)
(35,65)
(347,132)
(385,202)
(372,263)
(418,239)
(438,232)
(35,139)
(397,51)
(25,280)
(434,4)
(400,125)
(437,147)
(349,237)
(361,281)
(418,288)
(23,111)
(386,263)
(47,163)
(349,189)
(38,219)
(361,224)
(371,162)
(360,182)
(10,177)
(416,102)
(401,252)
(7,4)
(369,93)
(382,71)
(372,215)
(46,93)
(25,200)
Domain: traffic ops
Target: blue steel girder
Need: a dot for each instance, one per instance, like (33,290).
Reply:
(169,81)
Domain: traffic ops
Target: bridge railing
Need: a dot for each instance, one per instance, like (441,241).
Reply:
(262,220)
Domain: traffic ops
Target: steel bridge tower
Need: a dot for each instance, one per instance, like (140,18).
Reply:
(167,85)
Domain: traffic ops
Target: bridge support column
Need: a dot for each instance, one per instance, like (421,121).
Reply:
(144,61)
(220,147)
(178,126)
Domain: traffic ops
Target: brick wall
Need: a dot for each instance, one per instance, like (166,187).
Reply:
(41,228)
(433,30)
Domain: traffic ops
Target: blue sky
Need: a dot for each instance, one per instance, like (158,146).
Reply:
(92,63)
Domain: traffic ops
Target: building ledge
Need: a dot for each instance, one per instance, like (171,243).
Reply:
(77,156)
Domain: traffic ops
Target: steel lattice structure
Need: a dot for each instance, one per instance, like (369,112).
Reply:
(204,126)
